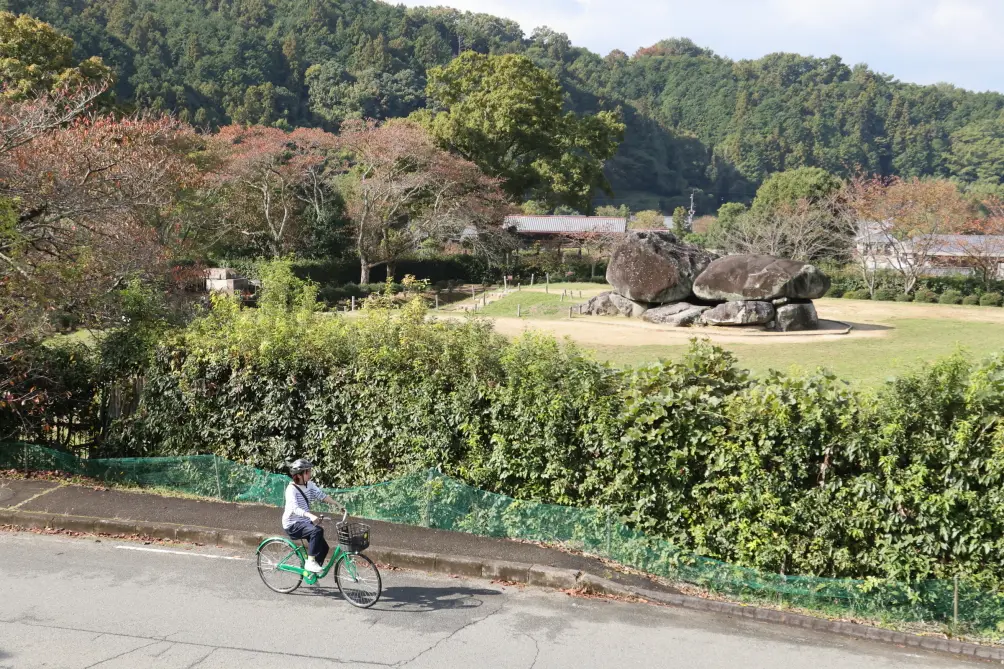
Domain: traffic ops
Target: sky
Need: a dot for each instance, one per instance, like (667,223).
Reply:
(921,41)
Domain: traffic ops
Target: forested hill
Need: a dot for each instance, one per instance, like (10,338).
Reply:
(695,119)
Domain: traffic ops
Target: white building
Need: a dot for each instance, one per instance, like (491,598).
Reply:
(940,254)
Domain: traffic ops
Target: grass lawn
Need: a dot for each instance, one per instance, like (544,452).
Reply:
(85,337)
(533,304)
(908,336)
(869,361)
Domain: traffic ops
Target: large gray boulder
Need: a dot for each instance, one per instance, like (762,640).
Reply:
(655,267)
(740,313)
(601,305)
(612,304)
(677,315)
(796,316)
(739,278)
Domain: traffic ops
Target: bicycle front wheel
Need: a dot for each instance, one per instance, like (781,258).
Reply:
(271,556)
(359,580)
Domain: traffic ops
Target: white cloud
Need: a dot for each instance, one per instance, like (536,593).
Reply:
(922,41)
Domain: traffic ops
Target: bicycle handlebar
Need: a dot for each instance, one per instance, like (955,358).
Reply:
(345,514)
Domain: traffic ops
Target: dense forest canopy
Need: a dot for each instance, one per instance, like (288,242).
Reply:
(695,120)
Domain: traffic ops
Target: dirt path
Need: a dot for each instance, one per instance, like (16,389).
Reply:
(610,331)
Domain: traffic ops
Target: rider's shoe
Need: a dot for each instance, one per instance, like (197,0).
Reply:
(312,566)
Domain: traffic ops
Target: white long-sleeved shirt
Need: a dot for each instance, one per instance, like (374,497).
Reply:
(296,506)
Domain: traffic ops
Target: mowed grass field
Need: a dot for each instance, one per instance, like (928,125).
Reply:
(889,338)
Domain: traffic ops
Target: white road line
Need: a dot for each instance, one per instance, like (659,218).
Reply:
(162,550)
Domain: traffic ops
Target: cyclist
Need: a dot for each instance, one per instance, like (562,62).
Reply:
(297,519)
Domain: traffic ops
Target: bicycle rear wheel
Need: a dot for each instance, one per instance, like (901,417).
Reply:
(359,580)
(277,552)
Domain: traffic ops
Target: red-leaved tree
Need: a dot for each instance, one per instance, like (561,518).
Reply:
(84,196)
(982,245)
(271,183)
(905,219)
(402,190)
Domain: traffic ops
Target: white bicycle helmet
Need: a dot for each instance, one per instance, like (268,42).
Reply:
(300,466)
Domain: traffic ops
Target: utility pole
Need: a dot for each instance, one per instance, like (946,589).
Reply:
(690,214)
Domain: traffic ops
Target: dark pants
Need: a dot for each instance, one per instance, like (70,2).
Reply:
(317,546)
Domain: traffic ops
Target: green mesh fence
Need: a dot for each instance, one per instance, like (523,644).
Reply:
(431,499)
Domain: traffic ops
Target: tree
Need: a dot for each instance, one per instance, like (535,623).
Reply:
(680,221)
(803,231)
(337,95)
(23,121)
(504,114)
(982,243)
(401,190)
(535,208)
(596,246)
(811,184)
(271,184)
(906,216)
(648,220)
(977,154)
(35,59)
(615,212)
(730,211)
(80,201)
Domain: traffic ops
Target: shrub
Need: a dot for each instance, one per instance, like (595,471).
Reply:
(903,297)
(950,296)
(991,300)
(925,295)
(971,300)
(885,294)
(858,295)
(835,291)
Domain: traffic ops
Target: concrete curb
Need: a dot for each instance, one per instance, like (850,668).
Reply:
(515,572)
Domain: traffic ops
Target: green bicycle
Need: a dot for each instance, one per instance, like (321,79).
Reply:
(280,564)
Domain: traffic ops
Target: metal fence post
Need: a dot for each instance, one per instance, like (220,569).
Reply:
(428,497)
(216,466)
(608,532)
(955,603)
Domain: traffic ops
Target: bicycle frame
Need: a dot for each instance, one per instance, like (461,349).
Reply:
(309,577)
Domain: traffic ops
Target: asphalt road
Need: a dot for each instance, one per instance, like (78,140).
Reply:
(80,603)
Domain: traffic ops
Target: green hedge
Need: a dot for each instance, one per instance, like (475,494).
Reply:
(788,474)
(335,273)
(990,300)
(886,294)
(337,280)
(950,296)
(845,279)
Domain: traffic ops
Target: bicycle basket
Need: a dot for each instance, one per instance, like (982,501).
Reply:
(354,537)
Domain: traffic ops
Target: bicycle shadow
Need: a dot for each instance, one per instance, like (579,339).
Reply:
(411,599)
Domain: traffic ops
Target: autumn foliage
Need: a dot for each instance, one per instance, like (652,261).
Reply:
(270,181)
(401,189)
(909,215)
